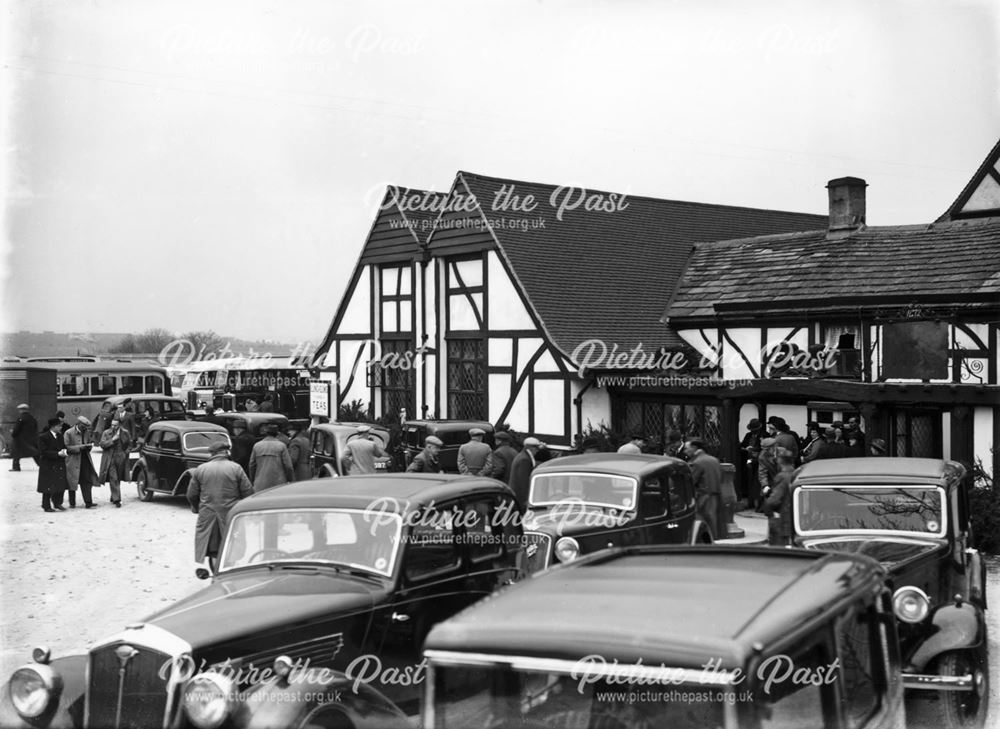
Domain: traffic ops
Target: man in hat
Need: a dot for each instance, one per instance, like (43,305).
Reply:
(299,449)
(115,445)
(362,450)
(25,438)
(427,460)
(637,441)
(706,474)
(472,456)
(52,467)
(498,465)
(521,468)
(877,447)
(215,487)
(270,464)
(778,505)
(750,447)
(825,447)
(243,444)
(79,466)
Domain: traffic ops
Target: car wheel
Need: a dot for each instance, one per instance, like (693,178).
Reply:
(142,486)
(960,709)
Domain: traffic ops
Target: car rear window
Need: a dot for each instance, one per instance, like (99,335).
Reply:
(202,441)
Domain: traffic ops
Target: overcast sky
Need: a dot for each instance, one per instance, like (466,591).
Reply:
(216,165)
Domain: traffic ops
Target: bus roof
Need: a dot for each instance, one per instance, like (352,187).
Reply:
(101,366)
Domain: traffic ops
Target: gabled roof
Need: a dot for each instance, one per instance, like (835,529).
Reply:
(981,196)
(950,262)
(606,275)
(403,224)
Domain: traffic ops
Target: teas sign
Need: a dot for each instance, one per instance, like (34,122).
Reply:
(319,397)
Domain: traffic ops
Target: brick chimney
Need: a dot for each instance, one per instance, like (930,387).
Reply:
(847,204)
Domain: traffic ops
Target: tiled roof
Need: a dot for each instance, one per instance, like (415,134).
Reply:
(608,275)
(940,262)
(420,216)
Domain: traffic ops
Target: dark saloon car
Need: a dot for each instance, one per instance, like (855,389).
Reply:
(912,515)
(329,447)
(314,619)
(171,450)
(163,407)
(675,638)
(254,422)
(453,433)
(581,504)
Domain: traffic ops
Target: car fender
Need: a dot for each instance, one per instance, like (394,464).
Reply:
(957,627)
(181,487)
(140,465)
(67,711)
(296,702)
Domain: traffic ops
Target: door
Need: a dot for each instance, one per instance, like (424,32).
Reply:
(654,524)
(681,502)
(916,433)
(171,464)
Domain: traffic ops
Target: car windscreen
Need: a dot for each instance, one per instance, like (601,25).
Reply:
(913,509)
(597,489)
(357,538)
(502,696)
(201,441)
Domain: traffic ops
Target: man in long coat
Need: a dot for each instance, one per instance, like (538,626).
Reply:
(115,445)
(25,441)
(215,487)
(270,464)
(706,473)
(52,467)
(362,452)
(521,468)
(299,450)
(243,444)
(79,466)
(472,456)
(501,459)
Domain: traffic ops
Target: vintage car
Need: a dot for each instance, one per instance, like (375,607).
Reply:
(171,450)
(329,448)
(677,637)
(315,618)
(453,433)
(164,407)
(912,515)
(581,504)
(253,421)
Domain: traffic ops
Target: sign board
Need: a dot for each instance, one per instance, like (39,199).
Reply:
(319,398)
(916,350)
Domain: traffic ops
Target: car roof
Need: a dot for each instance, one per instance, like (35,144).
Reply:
(253,417)
(399,492)
(186,426)
(869,469)
(679,606)
(619,464)
(352,427)
(450,424)
(139,396)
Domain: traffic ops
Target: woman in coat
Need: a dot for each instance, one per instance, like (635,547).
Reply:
(52,467)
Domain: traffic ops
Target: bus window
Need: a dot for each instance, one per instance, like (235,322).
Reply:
(73,386)
(154,384)
(130,385)
(102,385)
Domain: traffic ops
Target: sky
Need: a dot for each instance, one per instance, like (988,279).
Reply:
(217,165)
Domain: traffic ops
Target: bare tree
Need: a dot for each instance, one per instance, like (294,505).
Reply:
(205,342)
(153,340)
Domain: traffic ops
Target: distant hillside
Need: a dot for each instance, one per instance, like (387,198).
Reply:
(61,344)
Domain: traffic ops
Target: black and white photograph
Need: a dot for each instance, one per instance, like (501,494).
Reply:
(535,364)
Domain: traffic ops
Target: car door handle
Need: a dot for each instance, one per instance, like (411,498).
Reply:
(673,525)
(400,617)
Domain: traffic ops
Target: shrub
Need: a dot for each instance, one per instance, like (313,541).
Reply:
(984,509)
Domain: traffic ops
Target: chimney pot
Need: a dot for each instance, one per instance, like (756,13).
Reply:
(847,203)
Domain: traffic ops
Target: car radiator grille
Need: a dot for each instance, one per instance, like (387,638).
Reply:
(539,549)
(142,691)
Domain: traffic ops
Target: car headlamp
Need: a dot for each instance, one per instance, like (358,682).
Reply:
(34,689)
(567,549)
(207,699)
(911,604)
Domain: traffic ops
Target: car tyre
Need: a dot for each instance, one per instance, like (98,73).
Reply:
(960,709)
(142,486)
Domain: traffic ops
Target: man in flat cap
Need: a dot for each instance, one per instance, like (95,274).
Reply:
(115,445)
(52,466)
(472,456)
(427,460)
(270,464)
(498,465)
(362,450)
(215,487)
(80,469)
(521,468)
(25,438)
